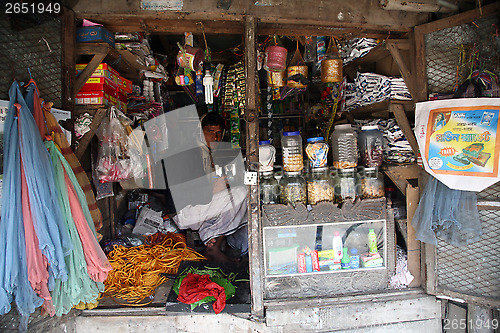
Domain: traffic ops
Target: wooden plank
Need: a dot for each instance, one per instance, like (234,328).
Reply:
(421,93)
(87,72)
(399,174)
(252,126)
(93,48)
(486,301)
(405,72)
(344,317)
(429,268)
(85,140)
(402,120)
(462,18)
(313,30)
(479,319)
(413,245)
(68,58)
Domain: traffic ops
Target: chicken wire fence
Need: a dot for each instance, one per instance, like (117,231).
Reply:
(449,53)
(474,269)
(31,43)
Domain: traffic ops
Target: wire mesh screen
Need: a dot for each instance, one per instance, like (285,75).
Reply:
(450,53)
(473,269)
(32,42)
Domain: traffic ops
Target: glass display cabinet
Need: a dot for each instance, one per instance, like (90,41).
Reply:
(327,251)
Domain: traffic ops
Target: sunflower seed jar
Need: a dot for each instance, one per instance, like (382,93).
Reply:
(292,188)
(319,186)
(371,183)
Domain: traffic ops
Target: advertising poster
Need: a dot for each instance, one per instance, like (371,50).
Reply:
(459,141)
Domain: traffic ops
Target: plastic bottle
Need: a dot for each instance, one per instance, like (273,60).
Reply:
(354,258)
(372,241)
(337,245)
(345,262)
(291,144)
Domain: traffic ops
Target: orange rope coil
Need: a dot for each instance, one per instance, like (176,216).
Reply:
(136,270)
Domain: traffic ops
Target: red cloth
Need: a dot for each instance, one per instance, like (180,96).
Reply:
(195,287)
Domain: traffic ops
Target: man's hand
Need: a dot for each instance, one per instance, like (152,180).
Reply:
(220,184)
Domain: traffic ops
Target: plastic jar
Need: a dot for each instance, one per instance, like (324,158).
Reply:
(292,188)
(344,147)
(371,182)
(269,188)
(291,144)
(371,146)
(345,185)
(267,155)
(317,152)
(319,186)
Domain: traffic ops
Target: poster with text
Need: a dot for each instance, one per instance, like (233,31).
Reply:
(459,141)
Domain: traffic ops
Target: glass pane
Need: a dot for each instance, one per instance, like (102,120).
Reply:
(327,247)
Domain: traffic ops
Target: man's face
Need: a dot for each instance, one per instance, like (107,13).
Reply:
(213,133)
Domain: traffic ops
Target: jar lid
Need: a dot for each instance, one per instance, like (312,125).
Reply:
(292,173)
(372,169)
(346,170)
(291,133)
(266,173)
(342,126)
(321,169)
(264,142)
(369,127)
(318,138)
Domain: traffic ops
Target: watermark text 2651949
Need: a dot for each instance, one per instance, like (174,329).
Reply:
(32,8)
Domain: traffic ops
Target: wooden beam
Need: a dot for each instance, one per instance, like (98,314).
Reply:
(402,120)
(399,174)
(68,58)
(421,93)
(255,246)
(459,19)
(405,72)
(87,72)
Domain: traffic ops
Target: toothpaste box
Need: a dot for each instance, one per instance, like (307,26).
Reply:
(100,84)
(124,84)
(301,261)
(95,98)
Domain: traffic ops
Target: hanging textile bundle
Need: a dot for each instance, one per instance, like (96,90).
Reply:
(79,286)
(14,283)
(53,237)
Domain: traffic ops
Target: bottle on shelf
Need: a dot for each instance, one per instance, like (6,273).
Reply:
(337,246)
(354,258)
(291,145)
(345,262)
(372,241)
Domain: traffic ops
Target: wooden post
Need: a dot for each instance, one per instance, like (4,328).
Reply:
(403,123)
(413,245)
(252,155)
(68,57)
(479,319)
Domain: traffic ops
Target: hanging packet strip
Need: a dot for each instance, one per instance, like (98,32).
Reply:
(459,141)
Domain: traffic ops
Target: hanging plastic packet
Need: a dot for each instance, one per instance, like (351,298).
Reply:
(199,82)
(310,49)
(297,71)
(320,51)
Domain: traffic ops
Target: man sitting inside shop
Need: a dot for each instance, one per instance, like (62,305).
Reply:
(223,217)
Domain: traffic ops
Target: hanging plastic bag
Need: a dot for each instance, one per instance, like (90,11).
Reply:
(115,161)
(451,215)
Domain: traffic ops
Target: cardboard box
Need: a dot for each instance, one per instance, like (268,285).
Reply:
(95,98)
(103,70)
(100,84)
(125,85)
(95,34)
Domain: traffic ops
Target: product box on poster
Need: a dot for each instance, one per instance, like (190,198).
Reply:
(459,141)
(94,34)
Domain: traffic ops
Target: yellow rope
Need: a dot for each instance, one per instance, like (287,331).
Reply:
(137,270)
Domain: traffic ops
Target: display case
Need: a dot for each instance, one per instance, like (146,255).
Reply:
(327,251)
